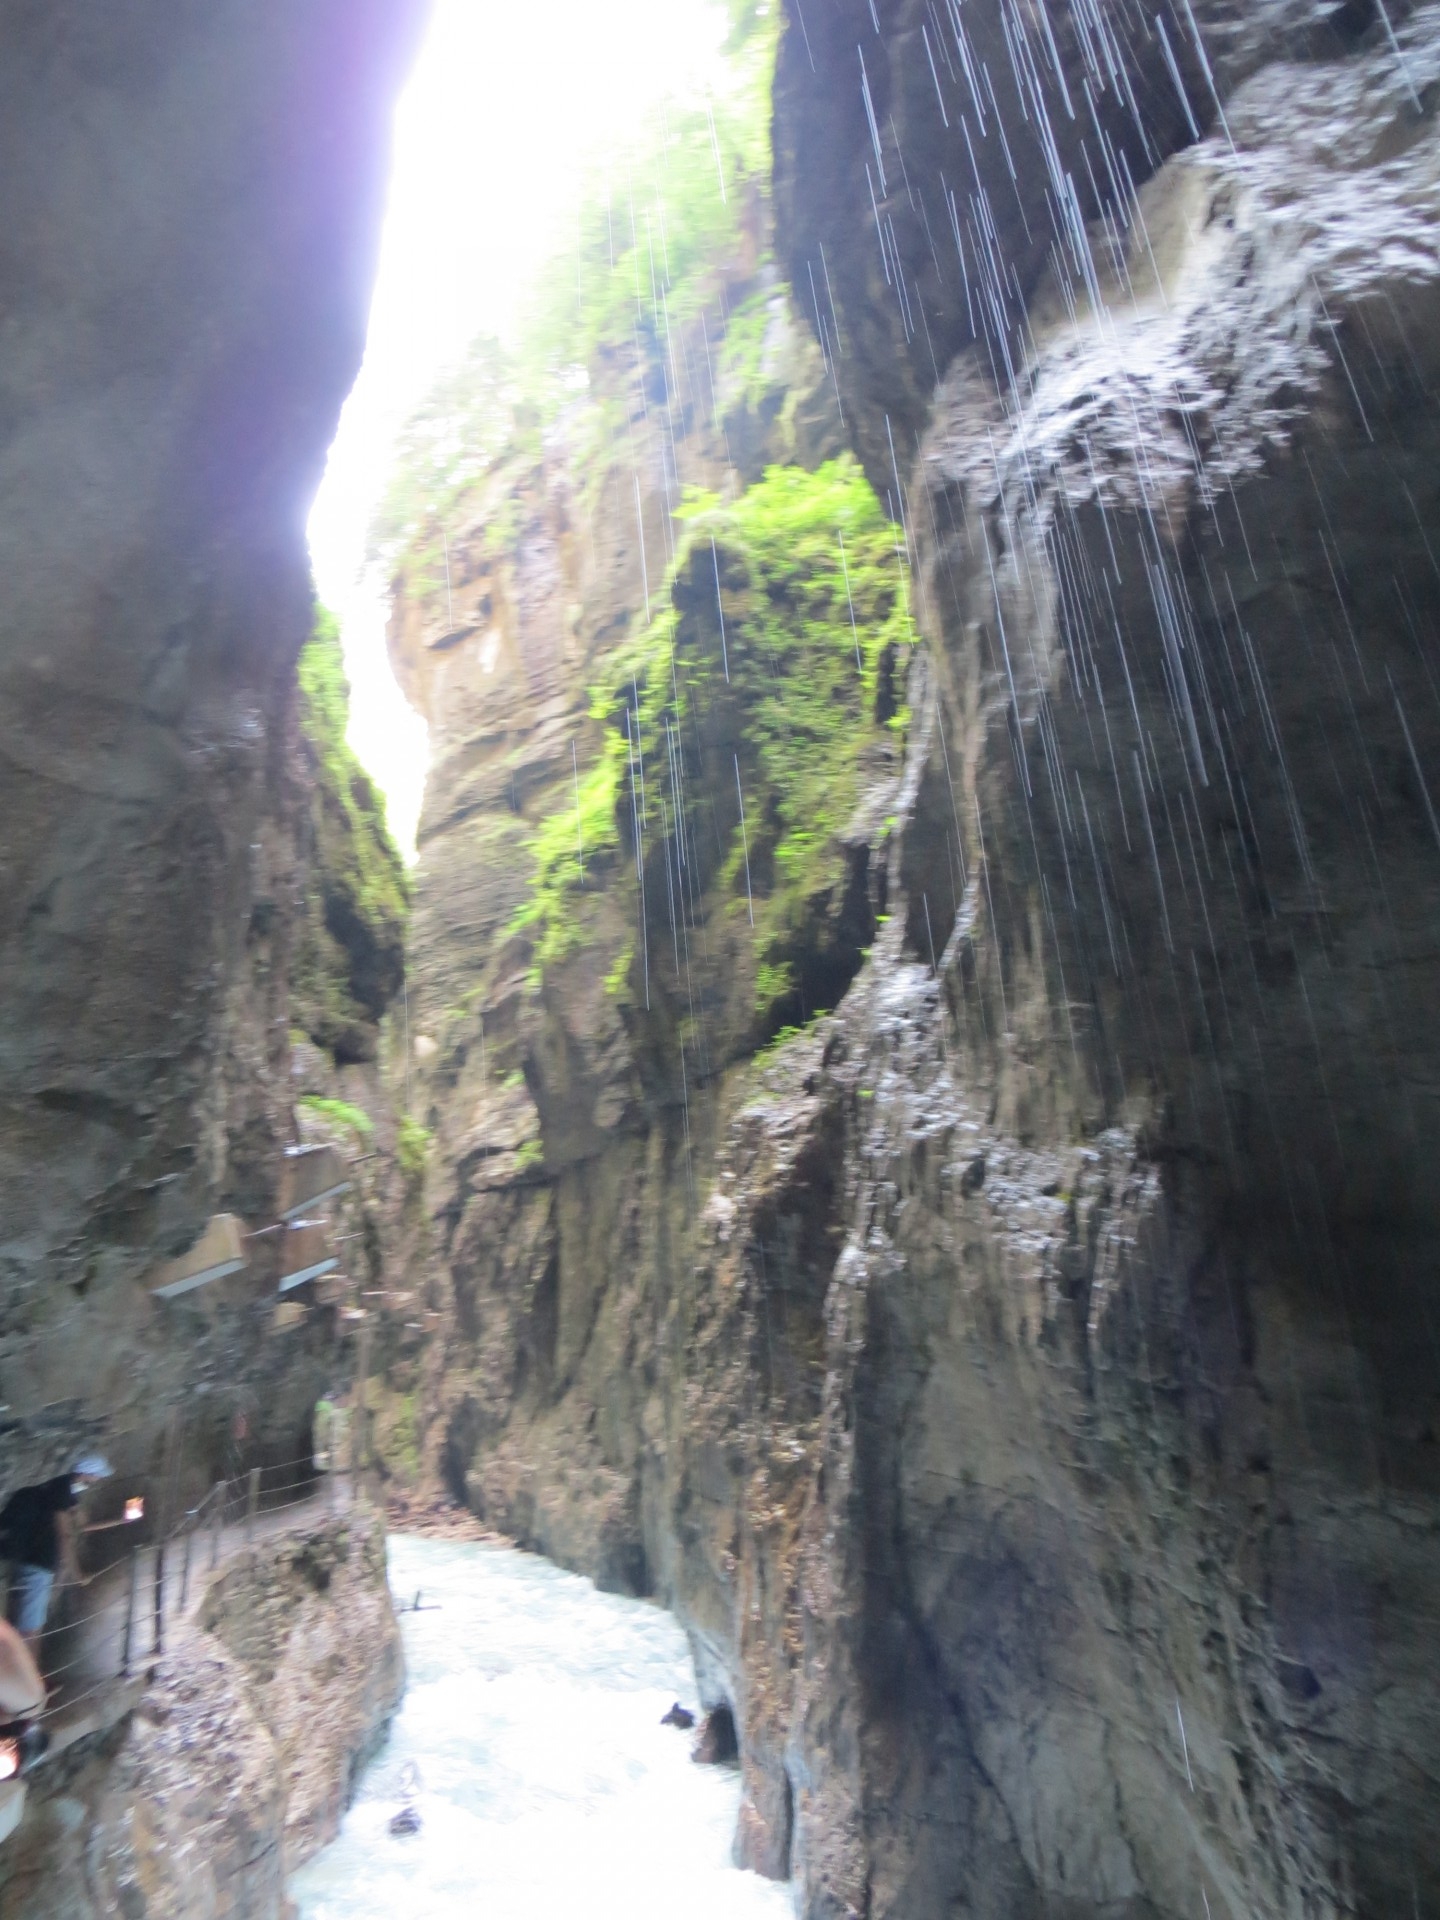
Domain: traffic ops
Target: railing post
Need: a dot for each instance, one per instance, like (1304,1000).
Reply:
(252,1505)
(360,1418)
(159,1597)
(127,1640)
(185,1570)
(215,1525)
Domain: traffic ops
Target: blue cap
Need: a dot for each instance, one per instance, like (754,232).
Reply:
(93,1466)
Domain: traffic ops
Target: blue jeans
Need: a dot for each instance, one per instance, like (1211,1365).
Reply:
(30,1598)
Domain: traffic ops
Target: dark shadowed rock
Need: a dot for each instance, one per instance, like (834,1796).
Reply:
(1122,1404)
(1019,1380)
(192,210)
(350,949)
(715,1744)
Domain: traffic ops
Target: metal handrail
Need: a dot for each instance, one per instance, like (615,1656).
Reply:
(155,1596)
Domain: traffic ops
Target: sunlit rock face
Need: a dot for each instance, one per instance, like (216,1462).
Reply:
(1108,1567)
(192,202)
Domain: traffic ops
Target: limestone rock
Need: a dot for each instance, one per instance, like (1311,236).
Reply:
(1015,1380)
(240,1757)
(931,163)
(350,957)
(184,277)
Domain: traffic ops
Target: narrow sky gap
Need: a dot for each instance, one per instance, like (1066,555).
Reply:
(508,116)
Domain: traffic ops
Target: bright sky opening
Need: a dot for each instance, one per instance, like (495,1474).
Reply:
(508,111)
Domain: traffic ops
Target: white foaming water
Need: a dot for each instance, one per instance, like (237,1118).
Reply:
(547,1784)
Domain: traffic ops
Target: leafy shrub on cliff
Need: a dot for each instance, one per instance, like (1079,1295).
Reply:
(339,1113)
(647,259)
(412,1148)
(570,847)
(350,957)
(739,730)
(466,420)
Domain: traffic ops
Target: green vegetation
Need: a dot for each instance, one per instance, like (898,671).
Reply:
(412,1148)
(617,980)
(574,845)
(339,1113)
(740,362)
(351,954)
(401,1439)
(464,423)
(774,982)
(530,1153)
(647,254)
(786,1034)
(734,735)
(372,875)
(773,665)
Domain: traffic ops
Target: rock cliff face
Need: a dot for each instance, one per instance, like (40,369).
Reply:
(192,214)
(184,276)
(562,1114)
(351,950)
(1022,1381)
(239,1760)
(1179,582)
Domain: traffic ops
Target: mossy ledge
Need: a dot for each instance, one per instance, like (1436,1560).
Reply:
(741,729)
(350,957)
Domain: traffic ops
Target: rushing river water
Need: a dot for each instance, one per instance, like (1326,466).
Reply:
(546,1784)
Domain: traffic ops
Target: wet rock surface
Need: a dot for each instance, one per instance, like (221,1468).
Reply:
(1020,1382)
(193,202)
(932,163)
(184,278)
(562,1129)
(1089,1467)
(239,1759)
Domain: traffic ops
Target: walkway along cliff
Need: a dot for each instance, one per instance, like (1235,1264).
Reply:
(931,1168)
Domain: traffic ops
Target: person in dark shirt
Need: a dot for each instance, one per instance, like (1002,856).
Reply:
(38,1537)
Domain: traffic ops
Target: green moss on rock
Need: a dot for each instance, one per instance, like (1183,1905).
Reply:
(338,1113)
(350,958)
(741,729)
(412,1147)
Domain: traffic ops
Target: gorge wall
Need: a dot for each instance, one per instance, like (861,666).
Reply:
(1021,1379)
(201,916)
(185,276)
